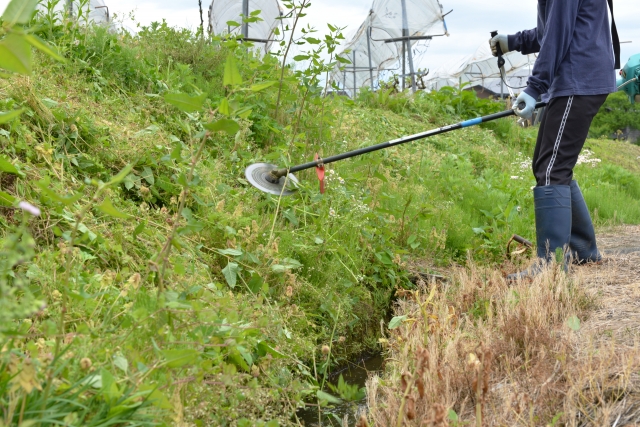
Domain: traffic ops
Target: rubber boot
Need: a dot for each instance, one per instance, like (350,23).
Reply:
(553,227)
(583,236)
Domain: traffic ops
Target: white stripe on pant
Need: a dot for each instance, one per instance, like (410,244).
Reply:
(559,139)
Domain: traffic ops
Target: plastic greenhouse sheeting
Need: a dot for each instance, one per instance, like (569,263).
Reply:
(368,51)
(481,68)
(95,10)
(382,56)
(223,11)
(423,18)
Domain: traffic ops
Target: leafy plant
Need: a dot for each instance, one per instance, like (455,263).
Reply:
(348,392)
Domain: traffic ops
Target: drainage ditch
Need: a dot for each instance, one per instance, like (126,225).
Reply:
(336,415)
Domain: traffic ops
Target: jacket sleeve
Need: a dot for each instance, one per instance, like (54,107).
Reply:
(557,34)
(525,41)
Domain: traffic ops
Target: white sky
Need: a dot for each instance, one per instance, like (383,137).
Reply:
(469,24)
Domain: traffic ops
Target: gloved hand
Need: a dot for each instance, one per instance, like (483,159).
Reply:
(529,105)
(504,44)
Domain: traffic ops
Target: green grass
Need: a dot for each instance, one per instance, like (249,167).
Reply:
(312,269)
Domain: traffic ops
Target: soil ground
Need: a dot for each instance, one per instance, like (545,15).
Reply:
(616,283)
(613,327)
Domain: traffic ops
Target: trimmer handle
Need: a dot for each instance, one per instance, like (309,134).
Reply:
(498,50)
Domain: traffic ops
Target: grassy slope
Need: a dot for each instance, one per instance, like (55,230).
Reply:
(434,200)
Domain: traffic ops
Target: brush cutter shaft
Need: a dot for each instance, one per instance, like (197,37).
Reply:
(406,139)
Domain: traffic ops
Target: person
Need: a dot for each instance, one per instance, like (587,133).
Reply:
(574,73)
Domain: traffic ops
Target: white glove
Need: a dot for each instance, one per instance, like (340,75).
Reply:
(529,106)
(504,44)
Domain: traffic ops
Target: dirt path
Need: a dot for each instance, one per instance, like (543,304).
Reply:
(609,340)
(617,285)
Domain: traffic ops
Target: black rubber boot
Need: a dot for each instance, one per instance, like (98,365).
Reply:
(583,236)
(553,227)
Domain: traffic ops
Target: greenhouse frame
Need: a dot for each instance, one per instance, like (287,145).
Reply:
(222,12)
(387,37)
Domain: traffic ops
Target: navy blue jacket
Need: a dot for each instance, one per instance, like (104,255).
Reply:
(575,57)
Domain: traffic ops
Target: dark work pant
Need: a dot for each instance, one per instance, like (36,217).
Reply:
(562,133)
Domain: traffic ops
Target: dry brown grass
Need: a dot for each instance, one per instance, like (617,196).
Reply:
(505,356)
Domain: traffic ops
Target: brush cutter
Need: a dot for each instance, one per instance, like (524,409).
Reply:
(501,62)
(281,181)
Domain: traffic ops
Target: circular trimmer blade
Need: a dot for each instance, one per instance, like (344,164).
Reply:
(258,175)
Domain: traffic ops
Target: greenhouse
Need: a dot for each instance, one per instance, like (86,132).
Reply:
(224,12)
(481,69)
(386,39)
(95,11)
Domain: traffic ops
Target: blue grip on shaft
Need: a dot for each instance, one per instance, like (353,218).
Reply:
(471,122)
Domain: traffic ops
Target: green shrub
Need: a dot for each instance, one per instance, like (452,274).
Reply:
(615,115)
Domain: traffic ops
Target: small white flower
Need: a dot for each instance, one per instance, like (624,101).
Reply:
(586,158)
(332,212)
(28,207)
(519,208)
(516,177)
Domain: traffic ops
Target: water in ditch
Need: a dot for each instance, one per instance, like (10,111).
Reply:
(355,374)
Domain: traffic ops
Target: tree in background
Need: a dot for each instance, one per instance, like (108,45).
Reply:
(617,114)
